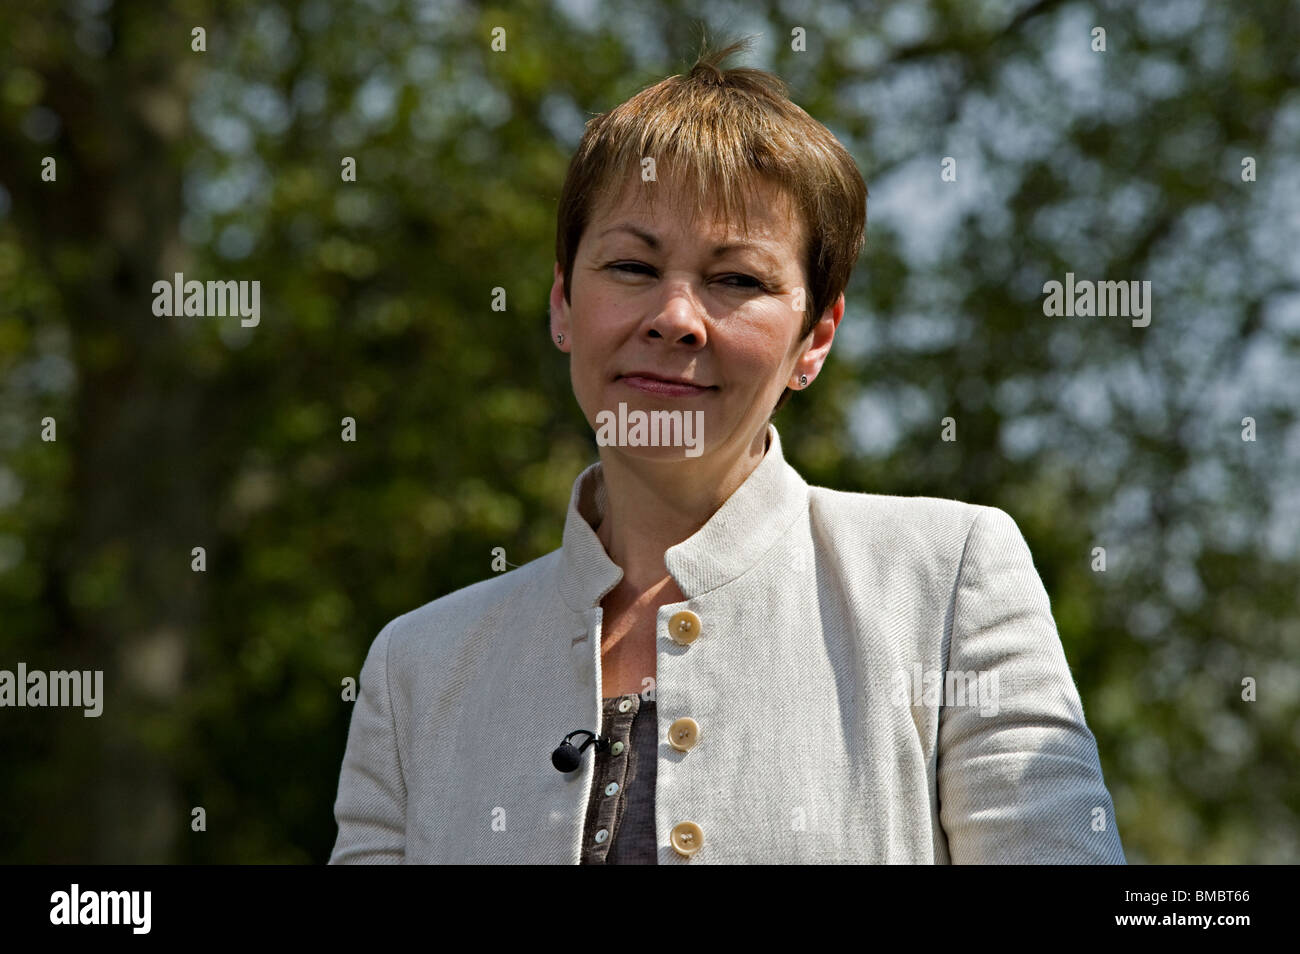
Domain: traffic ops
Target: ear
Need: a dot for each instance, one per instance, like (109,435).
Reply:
(819,342)
(560,324)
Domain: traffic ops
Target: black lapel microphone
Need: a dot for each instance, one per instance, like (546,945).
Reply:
(567,758)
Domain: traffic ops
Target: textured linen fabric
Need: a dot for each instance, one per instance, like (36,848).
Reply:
(627,816)
(822,612)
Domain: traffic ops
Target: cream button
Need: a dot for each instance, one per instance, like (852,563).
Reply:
(684,627)
(611,788)
(625,705)
(686,838)
(616,748)
(601,836)
(683,734)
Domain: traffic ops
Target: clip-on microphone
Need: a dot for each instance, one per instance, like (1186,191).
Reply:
(566,758)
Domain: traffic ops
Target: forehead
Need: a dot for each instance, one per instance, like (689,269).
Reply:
(768,222)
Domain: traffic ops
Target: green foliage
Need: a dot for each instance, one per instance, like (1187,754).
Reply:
(376,305)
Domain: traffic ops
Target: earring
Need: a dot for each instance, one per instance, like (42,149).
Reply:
(803,380)
(559,339)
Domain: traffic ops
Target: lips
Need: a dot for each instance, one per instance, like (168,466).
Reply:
(653,383)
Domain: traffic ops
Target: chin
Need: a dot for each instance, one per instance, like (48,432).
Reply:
(651,433)
(659,455)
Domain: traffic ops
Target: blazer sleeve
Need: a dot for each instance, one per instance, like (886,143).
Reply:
(1019,780)
(371,804)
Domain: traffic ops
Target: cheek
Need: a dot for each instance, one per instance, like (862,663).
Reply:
(758,352)
(596,340)
(599,312)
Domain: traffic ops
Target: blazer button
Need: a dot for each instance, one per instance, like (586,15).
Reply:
(686,838)
(683,734)
(684,627)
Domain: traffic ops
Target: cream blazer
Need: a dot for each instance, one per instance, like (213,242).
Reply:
(872,679)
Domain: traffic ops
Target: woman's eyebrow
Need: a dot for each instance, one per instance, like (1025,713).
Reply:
(650,239)
(643,235)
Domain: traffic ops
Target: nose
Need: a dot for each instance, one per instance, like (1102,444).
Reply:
(681,319)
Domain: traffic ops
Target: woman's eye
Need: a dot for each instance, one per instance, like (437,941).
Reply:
(640,268)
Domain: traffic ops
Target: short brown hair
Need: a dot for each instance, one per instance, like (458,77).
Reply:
(718,129)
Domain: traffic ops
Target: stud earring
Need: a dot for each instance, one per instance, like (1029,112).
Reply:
(559,339)
(803,380)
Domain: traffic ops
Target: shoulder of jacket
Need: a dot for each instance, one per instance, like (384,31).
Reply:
(898,514)
(905,538)
(467,606)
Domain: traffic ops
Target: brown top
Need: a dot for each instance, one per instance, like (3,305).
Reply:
(620,825)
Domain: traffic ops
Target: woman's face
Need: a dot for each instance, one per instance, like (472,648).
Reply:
(654,298)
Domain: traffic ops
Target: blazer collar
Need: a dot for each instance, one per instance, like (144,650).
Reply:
(737,535)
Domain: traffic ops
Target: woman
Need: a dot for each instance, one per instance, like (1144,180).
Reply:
(777,673)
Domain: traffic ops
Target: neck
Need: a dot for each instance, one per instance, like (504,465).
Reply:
(655,505)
